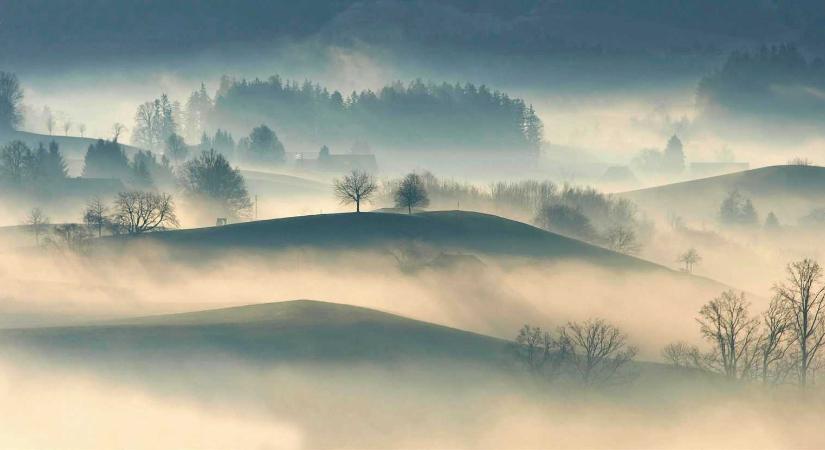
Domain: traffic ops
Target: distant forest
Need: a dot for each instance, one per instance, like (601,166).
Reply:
(776,81)
(417,115)
(61,27)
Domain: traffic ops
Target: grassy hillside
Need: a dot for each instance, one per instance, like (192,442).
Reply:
(293,330)
(789,191)
(456,231)
(283,185)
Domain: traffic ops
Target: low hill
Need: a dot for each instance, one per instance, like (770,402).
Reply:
(283,185)
(72,147)
(790,191)
(292,330)
(450,231)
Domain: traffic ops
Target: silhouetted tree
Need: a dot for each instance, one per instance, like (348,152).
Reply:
(411,193)
(67,125)
(690,258)
(81,128)
(264,146)
(117,129)
(15,159)
(727,325)
(198,107)
(48,119)
(774,342)
(673,158)
(37,222)
(11,98)
(356,187)
(737,210)
(538,351)
(223,143)
(69,236)
(802,297)
(211,179)
(622,239)
(138,212)
(176,148)
(96,215)
(154,123)
(598,350)
(772,222)
(105,159)
(565,220)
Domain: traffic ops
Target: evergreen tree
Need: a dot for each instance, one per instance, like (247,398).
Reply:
(105,159)
(673,158)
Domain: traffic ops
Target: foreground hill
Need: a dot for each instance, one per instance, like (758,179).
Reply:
(789,191)
(449,231)
(292,330)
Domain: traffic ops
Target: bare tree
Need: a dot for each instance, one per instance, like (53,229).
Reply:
(356,187)
(37,222)
(538,351)
(81,127)
(139,212)
(117,129)
(11,98)
(96,215)
(726,323)
(690,258)
(411,193)
(69,236)
(598,350)
(622,239)
(682,354)
(802,296)
(774,343)
(48,118)
(67,126)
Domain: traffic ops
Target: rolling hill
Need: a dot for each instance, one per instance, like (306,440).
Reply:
(293,330)
(448,231)
(789,191)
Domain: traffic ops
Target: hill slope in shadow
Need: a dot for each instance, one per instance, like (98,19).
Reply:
(790,191)
(284,331)
(456,231)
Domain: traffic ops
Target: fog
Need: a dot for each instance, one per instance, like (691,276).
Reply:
(579,225)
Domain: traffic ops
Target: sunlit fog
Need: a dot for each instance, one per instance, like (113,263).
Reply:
(382,224)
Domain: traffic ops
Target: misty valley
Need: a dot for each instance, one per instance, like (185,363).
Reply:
(412,224)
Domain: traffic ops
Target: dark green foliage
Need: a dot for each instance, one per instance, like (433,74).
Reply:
(39,170)
(105,159)
(147,172)
(263,146)
(411,193)
(413,115)
(565,220)
(11,96)
(775,80)
(736,209)
(223,143)
(210,178)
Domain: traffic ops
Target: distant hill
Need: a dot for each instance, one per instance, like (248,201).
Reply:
(789,191)
(283,185)
(71,146)
(292,330)
(455,231)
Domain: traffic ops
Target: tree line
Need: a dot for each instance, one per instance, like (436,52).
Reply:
(781,345)
(418,114)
